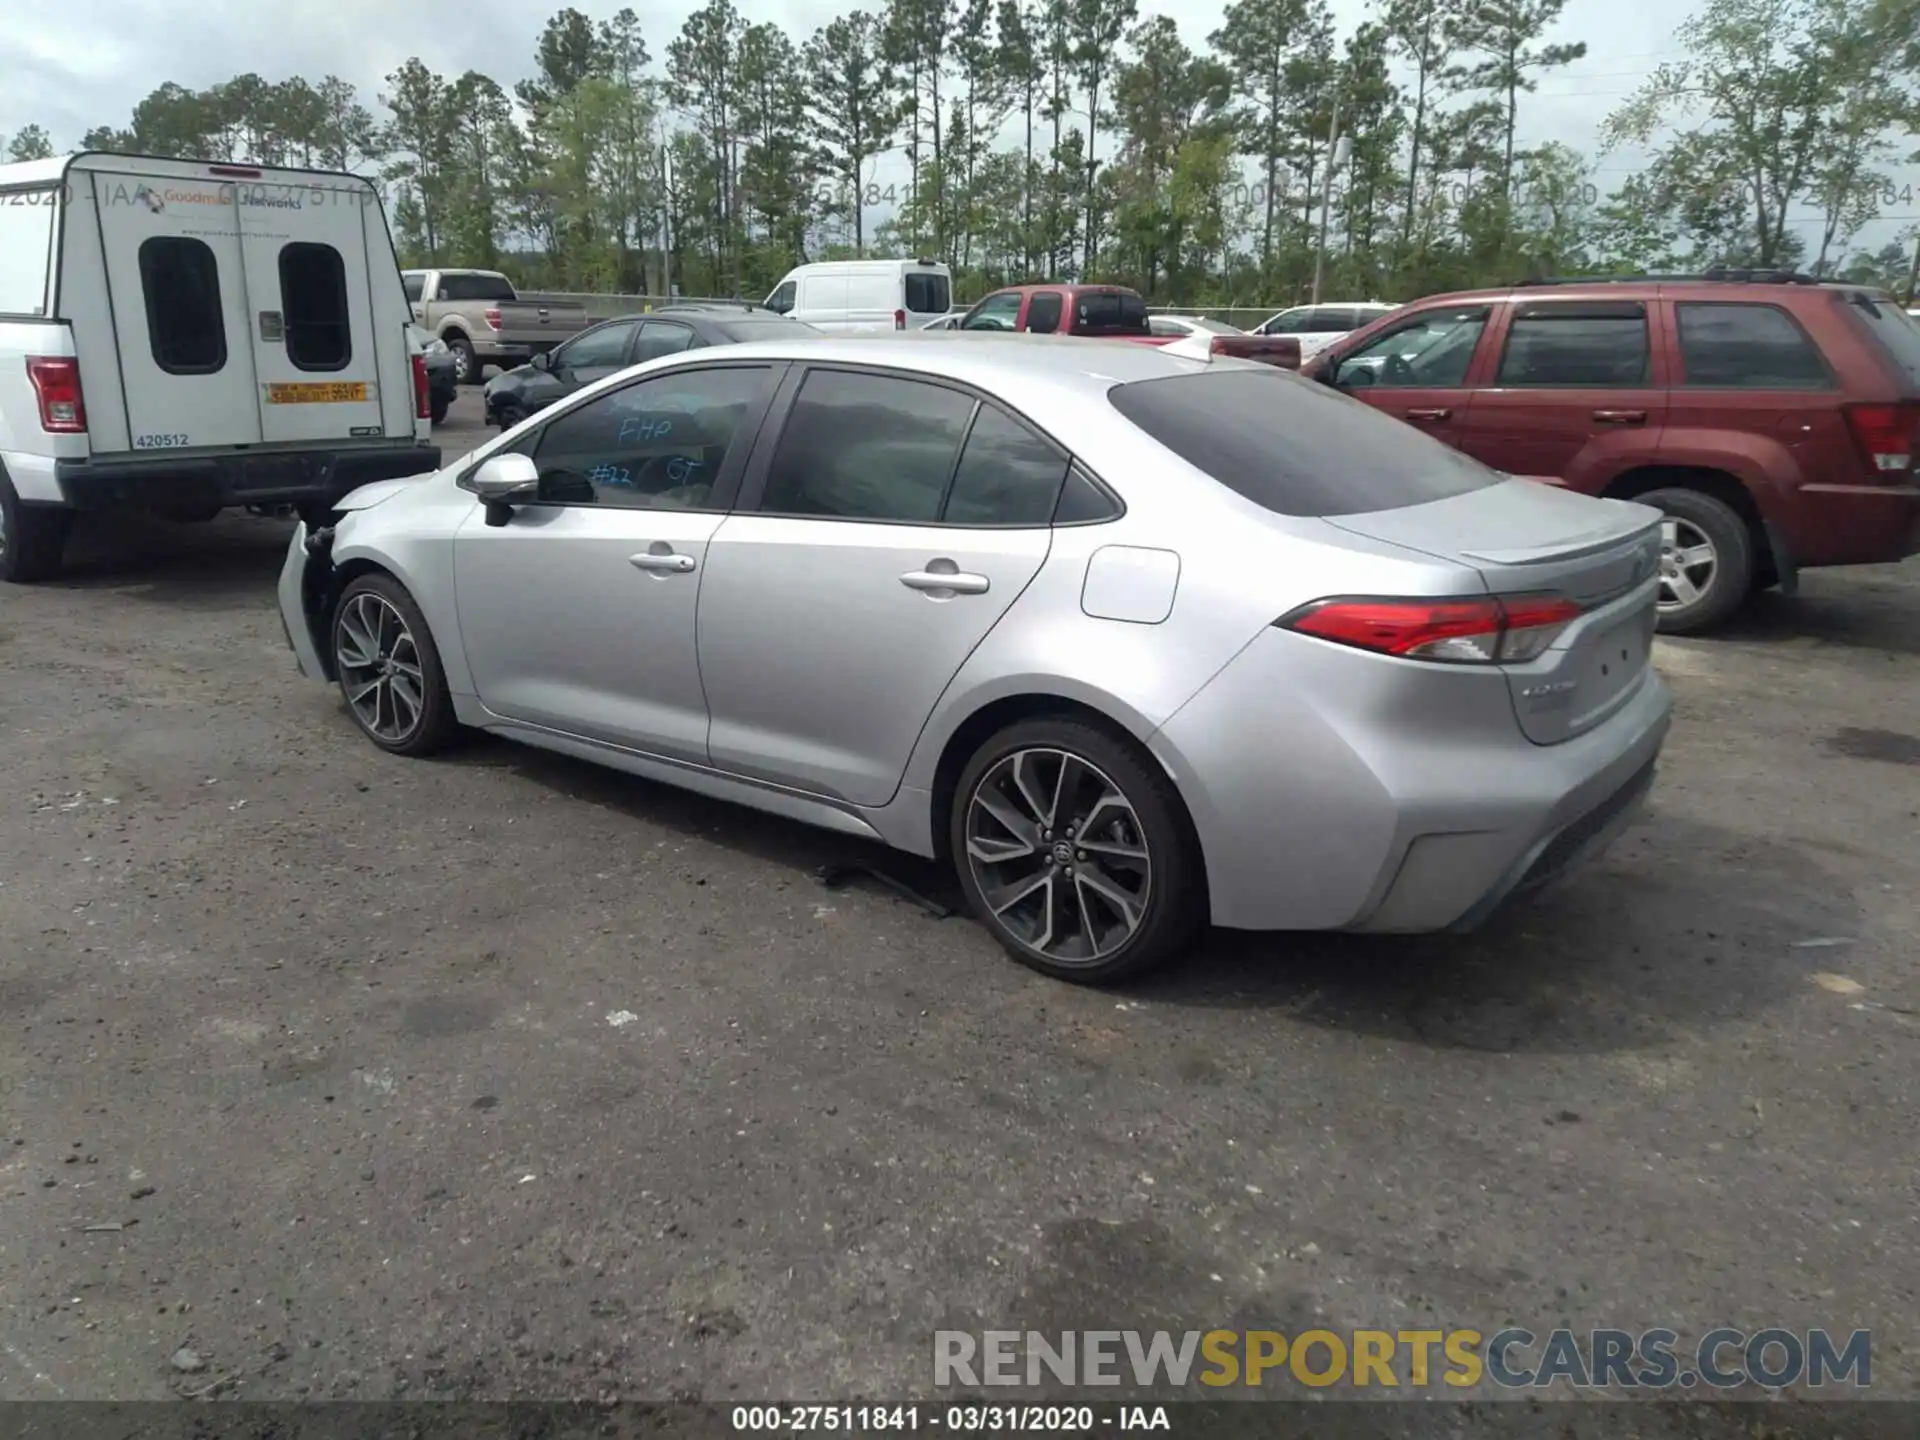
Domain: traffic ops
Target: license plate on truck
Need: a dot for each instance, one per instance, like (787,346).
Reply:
(317,394)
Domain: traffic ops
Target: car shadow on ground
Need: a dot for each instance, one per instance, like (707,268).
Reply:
(190,565)
(1878,608)
(1681,925)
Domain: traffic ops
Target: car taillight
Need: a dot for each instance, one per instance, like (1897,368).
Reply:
(422,405)
(492,318)
(56,382)
(1489,631)
(1885,436)
(899,319)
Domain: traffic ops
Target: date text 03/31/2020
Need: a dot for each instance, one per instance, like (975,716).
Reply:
(960,1419)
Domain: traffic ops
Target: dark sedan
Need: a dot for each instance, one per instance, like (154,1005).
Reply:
(612,345)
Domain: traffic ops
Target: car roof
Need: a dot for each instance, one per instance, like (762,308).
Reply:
(1680,287)
(999,362)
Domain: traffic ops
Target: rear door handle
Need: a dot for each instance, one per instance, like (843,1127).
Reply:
(957,581)
(1620,417)
(1429,414)
(670,564)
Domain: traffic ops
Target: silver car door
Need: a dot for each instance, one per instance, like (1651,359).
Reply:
(889,528)
(577,614)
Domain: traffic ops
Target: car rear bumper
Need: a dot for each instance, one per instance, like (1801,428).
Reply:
(1856,524)
(1336,791)
(262,477)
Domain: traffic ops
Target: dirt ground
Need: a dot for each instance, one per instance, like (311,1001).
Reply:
(503,1075)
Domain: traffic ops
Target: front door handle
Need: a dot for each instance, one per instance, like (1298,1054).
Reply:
(1429,414)
(957,581)
(670,564)
(1620,417)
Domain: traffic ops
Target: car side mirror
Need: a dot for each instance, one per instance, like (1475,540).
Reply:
(542,360)
(501,482)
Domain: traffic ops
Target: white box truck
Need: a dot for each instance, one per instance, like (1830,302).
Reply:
(181,337)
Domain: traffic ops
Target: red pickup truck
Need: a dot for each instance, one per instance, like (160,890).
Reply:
(1104,312)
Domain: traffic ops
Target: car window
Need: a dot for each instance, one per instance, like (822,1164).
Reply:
(1114,312)
(1289,322)
(1893,328)
(1294,447)
(317,332)
(1430,351)
(1746,347)
(1161,325)
(1579,345)
(928,293)
(1043,313)
(1329,321)
(655,445)
(475,287)
(867,447)
(180,282)
(602,346)
(782,298)
(662,337)
(1008,474)
(996,312)
(413,285)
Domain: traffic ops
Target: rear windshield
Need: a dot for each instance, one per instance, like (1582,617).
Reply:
(1119,311)
(762,327)
(928,293)
(477,287)
(1896,330)
(1296,447)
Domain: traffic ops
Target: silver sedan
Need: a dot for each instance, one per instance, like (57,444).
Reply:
(1134,639)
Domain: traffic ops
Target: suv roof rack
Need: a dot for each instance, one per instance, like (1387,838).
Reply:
(1714,273)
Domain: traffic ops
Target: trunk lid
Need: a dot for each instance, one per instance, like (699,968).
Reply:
(1526,538)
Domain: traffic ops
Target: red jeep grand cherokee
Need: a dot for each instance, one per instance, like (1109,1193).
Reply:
(1773,417)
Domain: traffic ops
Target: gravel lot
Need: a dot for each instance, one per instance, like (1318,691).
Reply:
(502,1075)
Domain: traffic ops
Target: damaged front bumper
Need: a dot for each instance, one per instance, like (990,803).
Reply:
(304,595)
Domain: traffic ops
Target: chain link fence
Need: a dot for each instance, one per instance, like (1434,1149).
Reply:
(605,307)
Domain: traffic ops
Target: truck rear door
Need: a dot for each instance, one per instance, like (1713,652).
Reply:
(304,251)
(181,318)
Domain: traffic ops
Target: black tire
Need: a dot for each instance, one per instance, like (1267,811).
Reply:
(509,413)
(434,726)
(1174,885)
(1729,582)
(437,410)
(33,538)
(466,364)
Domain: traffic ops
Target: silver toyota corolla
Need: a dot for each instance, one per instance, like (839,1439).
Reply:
(1137,640)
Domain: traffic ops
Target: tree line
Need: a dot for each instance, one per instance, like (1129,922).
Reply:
(1075,139)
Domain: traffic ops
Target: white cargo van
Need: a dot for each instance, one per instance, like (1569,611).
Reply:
(851,295)
(180,336)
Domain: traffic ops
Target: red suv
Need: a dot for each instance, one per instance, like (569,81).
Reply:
(1774,418)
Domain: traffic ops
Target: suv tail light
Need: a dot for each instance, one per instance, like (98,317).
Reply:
(1490,631)
(492,317)
(899,319)
(1885,434)
(56,383)
(422,404)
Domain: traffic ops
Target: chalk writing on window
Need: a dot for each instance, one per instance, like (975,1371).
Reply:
(638,427)
(681,469)
(611,475)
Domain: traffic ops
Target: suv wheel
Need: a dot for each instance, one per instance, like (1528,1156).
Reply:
(1074,851)
(389,669)
(33,538)
(466,364)
(1706,560)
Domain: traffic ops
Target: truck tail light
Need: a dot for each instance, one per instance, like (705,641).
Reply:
(1489,631)
(56,383)
(899,319)
(492,318)
(422,404)
(1885,434)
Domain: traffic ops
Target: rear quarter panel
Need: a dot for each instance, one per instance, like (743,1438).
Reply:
(26,451)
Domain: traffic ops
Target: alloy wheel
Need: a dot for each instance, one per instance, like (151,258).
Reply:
(379,666)
(1059,855)
(1688,563)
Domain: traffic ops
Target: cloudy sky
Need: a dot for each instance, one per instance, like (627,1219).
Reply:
(86,62)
